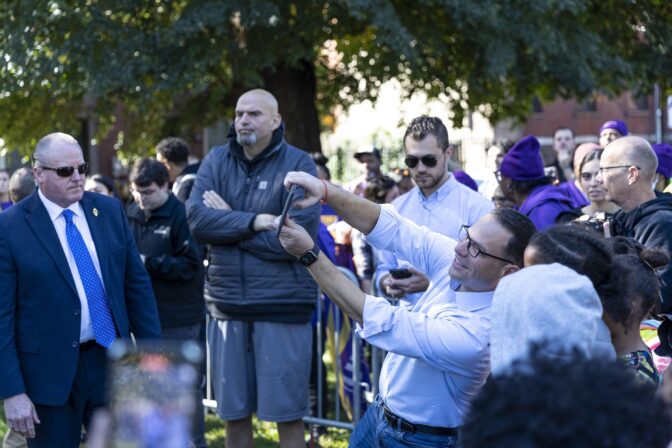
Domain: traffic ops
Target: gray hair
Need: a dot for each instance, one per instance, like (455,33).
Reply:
(48,142)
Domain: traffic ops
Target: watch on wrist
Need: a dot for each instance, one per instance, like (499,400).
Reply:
(309,257)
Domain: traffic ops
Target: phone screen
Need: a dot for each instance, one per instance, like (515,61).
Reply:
(153,393)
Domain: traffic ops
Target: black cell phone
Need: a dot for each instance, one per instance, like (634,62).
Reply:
(153,392)
(285,210)
(400,273)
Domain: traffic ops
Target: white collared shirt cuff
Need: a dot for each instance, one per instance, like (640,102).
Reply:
(376,317)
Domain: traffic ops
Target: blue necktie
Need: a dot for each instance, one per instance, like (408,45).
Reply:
(101,318)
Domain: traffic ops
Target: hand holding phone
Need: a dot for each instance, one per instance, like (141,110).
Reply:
(400,273)
(285,210)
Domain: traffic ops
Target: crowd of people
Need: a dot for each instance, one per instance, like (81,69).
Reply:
(510,320)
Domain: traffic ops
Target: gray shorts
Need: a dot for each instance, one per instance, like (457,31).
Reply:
(261,367)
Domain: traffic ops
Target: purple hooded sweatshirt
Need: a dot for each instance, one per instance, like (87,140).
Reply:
(575,195)
(543,205)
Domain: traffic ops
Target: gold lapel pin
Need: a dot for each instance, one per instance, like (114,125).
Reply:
(95,211)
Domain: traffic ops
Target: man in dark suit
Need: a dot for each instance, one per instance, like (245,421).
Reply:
(71,281)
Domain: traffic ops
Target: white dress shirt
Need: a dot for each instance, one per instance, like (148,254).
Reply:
(444,211)
(56,214)
(439,348)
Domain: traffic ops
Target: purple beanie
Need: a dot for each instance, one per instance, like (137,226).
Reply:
(617,125)
(523,161)
(664,153)
(465,179)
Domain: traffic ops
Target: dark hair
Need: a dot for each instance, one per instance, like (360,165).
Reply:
(636,291)
(174,150)
(592,155)
(148,170)
(562,128)
(423,126)
(21,184)
(525,187)
(108,182)
(578,249)
(321,162)
(377,188)
(570,401)
(521,229)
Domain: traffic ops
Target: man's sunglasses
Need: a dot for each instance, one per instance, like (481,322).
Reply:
(67,171)
(428,161)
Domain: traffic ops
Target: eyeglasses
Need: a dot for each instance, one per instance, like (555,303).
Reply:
(474,250)
(67,171)
(604,168)
(428,161)
(498,175)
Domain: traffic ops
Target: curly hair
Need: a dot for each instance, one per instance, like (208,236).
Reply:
(636,292)
(571,401)
(578,249)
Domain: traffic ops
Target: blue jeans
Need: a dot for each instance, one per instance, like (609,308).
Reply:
(373,431)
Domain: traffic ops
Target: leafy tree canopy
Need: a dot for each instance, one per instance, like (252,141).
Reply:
(174,66)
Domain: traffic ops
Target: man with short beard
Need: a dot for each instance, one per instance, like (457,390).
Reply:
(438,202)
(260,301)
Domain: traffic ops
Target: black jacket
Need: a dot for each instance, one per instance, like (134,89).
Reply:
(185,181)
(173,261)
(250,276)
(651,224)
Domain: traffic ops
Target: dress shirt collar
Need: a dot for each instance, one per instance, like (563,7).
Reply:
(55,210)
(473,301)
(443,191)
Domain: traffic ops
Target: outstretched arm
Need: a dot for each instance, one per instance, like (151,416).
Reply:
(358,212)
(338,287)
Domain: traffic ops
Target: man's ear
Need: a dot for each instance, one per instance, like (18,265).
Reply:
(633,175)
(277,119)
(508,269)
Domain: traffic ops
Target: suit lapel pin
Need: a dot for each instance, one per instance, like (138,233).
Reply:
(95,212)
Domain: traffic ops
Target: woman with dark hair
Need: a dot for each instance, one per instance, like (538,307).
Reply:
(599,207)
(635,295)
(99,183)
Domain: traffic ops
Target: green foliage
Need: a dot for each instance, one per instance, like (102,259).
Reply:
(174,66)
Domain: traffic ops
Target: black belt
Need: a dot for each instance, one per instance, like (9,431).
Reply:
(84,346)
(404,425)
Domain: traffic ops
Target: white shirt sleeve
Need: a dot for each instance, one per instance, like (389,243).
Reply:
(450,339)
(408,241)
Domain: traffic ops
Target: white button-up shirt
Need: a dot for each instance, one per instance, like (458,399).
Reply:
(56,214)
(439,348)
(444,211)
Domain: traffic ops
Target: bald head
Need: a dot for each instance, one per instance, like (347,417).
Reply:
(49,146)
(257,118)
(635,151)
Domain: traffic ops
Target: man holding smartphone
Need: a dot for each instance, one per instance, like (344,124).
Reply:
(439,348)
(438,202)
(259,299)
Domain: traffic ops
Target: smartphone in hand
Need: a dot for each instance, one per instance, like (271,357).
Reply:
(285,210)
(400,273)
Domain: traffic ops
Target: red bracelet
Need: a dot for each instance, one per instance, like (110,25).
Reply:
(324,199)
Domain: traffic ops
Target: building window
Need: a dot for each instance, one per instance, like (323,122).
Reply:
(641,102)
(536,105)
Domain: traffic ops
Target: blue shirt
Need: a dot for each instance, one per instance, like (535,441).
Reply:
(444,211)
(439,348)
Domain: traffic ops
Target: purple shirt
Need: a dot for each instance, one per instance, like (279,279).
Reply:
(575,195)
(543,206)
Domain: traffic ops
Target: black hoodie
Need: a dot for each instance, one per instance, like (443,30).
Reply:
(650,223)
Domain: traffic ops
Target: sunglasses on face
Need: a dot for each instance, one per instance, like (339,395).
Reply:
(428,161)
(67,171)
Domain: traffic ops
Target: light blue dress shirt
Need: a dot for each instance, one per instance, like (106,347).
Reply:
(444,211)
(439,347)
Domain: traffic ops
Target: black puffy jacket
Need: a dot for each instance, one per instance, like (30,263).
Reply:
(249,274)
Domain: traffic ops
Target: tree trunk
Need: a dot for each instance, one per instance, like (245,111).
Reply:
(296,91)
